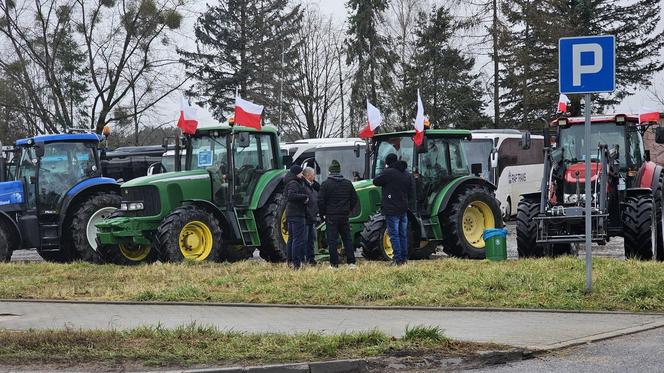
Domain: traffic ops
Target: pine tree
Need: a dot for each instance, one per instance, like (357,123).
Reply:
(530,75)
(240,45)
(451,92)
(372,60)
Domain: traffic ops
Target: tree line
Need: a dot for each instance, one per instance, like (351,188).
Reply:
(88,63)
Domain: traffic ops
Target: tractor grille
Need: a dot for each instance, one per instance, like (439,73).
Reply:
(149,195)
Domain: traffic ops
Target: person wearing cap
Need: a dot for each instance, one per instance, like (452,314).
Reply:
(312,187)
(398,189)
(336,199)
(296,198)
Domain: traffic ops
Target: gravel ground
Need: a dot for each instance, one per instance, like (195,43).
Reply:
(613,249)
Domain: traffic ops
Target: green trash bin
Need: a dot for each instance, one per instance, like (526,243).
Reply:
(495,240)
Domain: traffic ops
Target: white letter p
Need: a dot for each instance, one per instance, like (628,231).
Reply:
(577,68)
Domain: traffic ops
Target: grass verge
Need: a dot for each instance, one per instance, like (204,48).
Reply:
(198,345)
(544,283)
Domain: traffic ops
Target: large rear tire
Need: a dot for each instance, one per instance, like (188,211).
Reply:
(95,208)
(5,251)
(376,243)
(271,220)
(471,211)
(189,233)
(526,230)
(659,204)
(637,227)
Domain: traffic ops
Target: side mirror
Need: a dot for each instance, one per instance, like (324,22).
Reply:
(357,150)
(39,149)
(494,159)
(164,143)
(287,160)
(243,139)
(525,141)
(476,169)
(659,135)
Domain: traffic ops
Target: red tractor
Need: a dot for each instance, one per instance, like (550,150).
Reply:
(626,190)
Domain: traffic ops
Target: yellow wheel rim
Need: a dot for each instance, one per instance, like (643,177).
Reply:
(135,253)
(195,241)
(387,245)
(284,227)
(476,218)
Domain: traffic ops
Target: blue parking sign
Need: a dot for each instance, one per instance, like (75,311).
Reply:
(587,64)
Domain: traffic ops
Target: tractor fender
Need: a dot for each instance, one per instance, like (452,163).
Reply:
(633,192)
(269,182)
(228,225)
(14,230)
(82,189)
(648,175)
(534,196)
(444,196)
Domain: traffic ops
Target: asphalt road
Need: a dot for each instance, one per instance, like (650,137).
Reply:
(613,249)
(641,352)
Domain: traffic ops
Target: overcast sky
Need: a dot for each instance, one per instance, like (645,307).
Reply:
(336,9)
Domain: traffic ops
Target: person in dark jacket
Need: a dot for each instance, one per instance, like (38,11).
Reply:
(398,188)
(336,199)
(297,198)
(312,187)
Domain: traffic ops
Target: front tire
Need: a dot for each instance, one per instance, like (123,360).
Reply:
(189,234)
(637,227)
(5,251)
(96,208)
(271,220)
(376,243)
(526,230)
(470,212)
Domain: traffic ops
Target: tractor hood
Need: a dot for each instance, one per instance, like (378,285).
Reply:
(167,178)
(570,172)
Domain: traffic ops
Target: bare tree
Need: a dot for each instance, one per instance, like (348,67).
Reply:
(76,61)
(315,96)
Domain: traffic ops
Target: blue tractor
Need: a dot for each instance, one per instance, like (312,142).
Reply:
(52,193)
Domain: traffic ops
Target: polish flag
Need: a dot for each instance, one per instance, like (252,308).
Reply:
(563,101)
(247,113)
(187,121)
(374,119)
(419,121)
(648,115)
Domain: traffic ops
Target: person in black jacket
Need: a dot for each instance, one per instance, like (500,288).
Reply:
(336,199)
(297,198)
(398,189)
(312,187)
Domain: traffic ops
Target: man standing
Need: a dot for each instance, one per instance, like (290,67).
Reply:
(296,197)
(336,199)
(398,189)
(312,187)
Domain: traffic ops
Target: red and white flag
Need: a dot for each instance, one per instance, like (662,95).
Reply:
(187,121)
(648,115)
(419,121)
(563,101)
(247,113)
(374,119)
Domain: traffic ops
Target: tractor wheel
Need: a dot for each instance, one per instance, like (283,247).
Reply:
(272,229)
(637,227)
(189,234)
(126,254)
(95,208)
(470,212)
(526,230)
(236,253)
(376,243)
(659,204)
(5,251)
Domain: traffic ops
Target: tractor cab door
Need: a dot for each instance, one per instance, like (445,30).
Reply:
(254,154)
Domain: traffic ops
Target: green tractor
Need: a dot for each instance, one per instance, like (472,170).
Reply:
(452,207)
(221,206)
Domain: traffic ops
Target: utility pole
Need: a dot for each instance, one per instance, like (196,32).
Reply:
(341,91)
(496,90)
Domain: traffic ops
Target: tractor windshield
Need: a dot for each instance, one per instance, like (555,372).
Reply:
(573,146)
(208,151)
(444,158)
(63,165)
(402,146)
(251,161)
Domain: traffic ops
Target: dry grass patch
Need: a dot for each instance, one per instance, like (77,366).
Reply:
(544,283)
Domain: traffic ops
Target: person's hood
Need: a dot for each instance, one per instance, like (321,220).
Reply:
(335,176)
(400,165)
(291,176)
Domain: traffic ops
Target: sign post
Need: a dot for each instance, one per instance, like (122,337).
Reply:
(587,64)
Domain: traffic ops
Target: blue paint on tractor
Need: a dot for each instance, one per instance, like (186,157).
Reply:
(61,137)
(11,193)
(91,182)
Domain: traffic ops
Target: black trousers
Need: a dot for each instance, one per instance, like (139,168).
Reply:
(338,226)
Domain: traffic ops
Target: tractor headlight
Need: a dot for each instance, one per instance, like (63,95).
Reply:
(131,206)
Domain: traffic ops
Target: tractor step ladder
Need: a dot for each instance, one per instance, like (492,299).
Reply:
(248,229)
(49,236)
(428,227)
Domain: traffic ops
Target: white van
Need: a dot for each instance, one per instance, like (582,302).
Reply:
(319,153)
(513,170)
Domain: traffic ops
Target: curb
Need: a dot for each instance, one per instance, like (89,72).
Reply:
(325,306)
